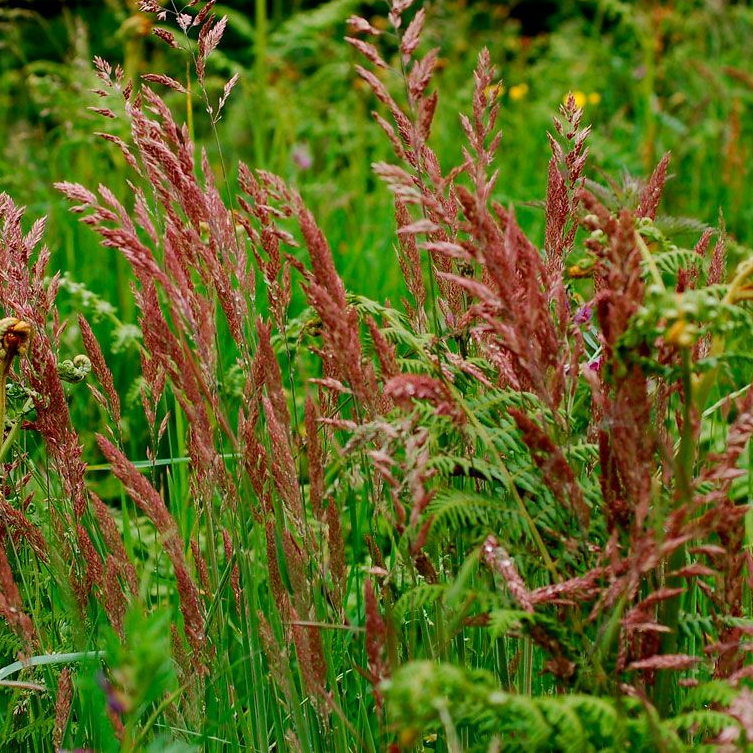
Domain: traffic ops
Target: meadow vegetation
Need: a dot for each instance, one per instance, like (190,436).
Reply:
(335,421)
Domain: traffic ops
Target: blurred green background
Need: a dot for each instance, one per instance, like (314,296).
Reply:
(651,77)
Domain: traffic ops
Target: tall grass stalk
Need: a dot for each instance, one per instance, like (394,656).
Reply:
(500,513)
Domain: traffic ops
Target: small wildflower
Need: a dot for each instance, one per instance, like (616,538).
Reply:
(302,157)
(580,98)
(577,271)
(495,91)
(518,91)
(583,315)
(117,702)
(680,334)
(138,25)
(595,365)
(379,22)
(409,736)
(594,98)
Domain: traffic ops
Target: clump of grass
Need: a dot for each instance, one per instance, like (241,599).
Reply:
(510,512)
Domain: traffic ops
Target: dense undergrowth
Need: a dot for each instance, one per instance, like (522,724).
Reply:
(509,513)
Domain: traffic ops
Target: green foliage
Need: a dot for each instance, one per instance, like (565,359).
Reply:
(471,548)
(424,696)
(136,676)
(302,32)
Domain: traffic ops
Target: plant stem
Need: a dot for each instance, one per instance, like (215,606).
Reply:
(13,433)
(669,612)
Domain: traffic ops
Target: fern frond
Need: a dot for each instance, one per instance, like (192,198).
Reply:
(456,510)
(569,730)
(715,692)
(674,259)
(701,721)
(303,28)
(502,621)
(420,597)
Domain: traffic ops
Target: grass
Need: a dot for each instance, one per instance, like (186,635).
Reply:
(425,484)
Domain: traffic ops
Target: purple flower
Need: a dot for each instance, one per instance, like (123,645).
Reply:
(595,365)
(583,314)
(302,156)
(113,702)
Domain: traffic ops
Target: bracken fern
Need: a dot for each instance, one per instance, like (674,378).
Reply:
(510,513)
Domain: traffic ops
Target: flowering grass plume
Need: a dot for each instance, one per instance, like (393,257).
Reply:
(512,509)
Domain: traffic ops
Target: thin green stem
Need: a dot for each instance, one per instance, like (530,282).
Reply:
(14,430)
(670,608)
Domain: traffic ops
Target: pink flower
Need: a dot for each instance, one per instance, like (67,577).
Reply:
(595,365)
(583,314)
(302,157)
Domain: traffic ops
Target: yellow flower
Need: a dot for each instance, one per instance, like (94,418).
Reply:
(579,97)
(409,737)
(494,91)
(577,271)
(518,91)
(680,334)
(594,98)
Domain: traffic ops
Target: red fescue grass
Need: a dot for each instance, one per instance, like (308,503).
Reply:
(310,523)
